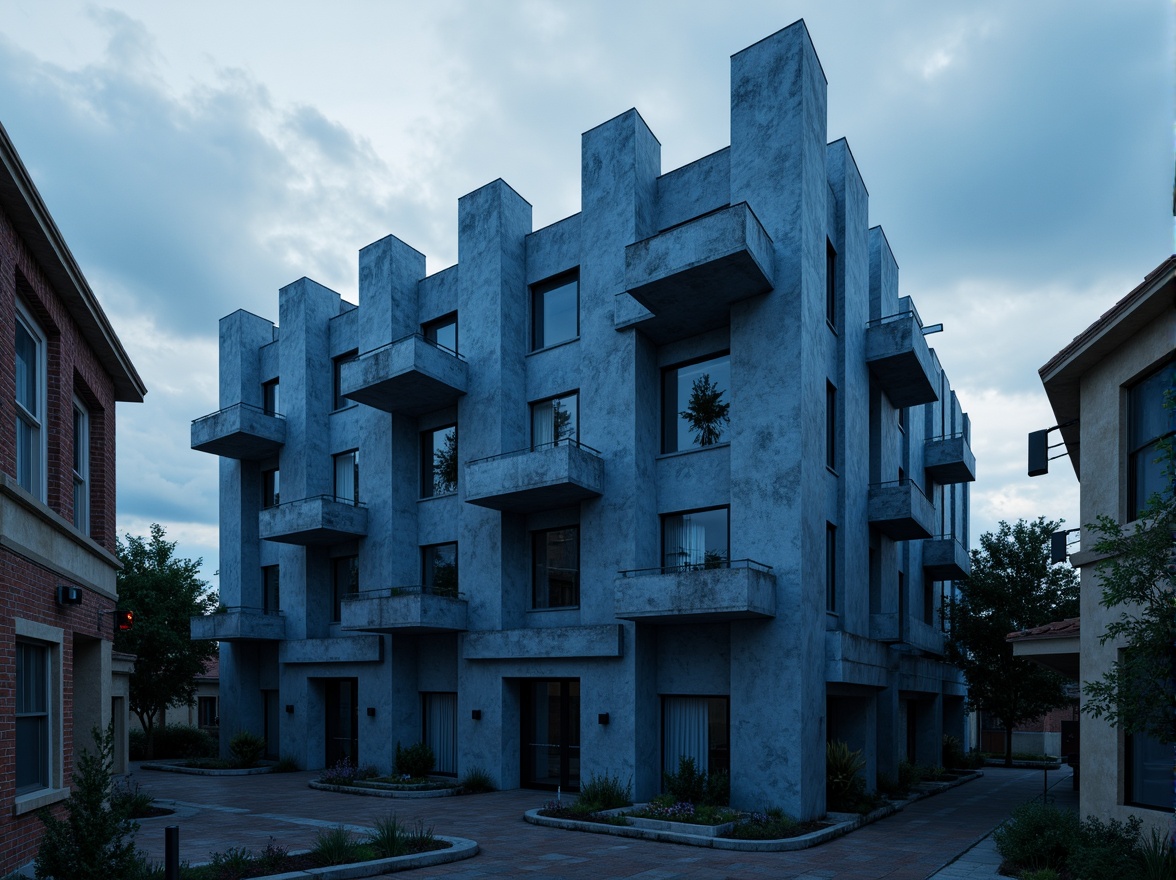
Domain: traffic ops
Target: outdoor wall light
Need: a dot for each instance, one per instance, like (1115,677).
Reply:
(476,714)
(69,595)
(289,708)
(371,711)
(602,718)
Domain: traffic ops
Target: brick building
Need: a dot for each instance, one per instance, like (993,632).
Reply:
(62,369)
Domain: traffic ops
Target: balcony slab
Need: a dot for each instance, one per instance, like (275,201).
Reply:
(403,610)
(535,479)
(946,559)
(738,593)
(898,356)
(901,511)
(239,625)
(949,460)
(410,376)
(241,431)
(322,519)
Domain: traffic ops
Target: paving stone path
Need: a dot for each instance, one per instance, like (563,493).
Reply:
(925,838)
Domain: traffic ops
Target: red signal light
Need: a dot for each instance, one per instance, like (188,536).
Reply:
(125,620)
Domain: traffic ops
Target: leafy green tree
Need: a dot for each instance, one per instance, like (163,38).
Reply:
(445,465)
(706,412)
(163,592)
(1013,586)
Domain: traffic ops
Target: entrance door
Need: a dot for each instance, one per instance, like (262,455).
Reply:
(342,720)
(551,733)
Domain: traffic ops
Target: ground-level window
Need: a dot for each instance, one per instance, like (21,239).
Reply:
(206,714)
(32,717)
(1149,772)
(439,712)
(697,728)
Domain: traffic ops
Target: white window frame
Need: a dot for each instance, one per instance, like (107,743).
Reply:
(35,421)
(51,638)
(81,467)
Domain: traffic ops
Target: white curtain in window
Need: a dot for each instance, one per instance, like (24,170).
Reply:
(441,730)
(687,732)
(542,424)
(685,542)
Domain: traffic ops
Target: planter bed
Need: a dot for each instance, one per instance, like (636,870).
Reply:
(385,789)
(1024,765)
(181,766)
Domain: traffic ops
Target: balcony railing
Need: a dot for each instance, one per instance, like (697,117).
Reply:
(898,356)
(900,510)
(319,519)
(737,589)
(410,376)
(416,608)
(949,459)
(241,431)
(239,623)
(540,477)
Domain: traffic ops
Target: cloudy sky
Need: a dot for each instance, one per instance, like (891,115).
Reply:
(197,157)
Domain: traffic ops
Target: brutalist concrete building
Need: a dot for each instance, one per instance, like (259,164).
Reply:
(676,475)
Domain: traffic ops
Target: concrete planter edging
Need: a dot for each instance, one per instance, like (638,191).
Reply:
(173,767)
(459,848)
(389,792)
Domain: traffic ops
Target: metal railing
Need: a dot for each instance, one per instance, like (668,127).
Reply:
(708,565)
(410,590)
(567,441)
(956,436)
(890,484)
(340,499)
(248,406)
(897,316)
(246,610)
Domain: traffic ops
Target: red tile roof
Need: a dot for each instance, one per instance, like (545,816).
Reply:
(1059,629)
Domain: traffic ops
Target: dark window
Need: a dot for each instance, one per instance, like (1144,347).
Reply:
(696,403)
(698,728)
(830,567)
(81,468)
(555,555)
(30,405)
(339,400)
(443,332)
(1149,772)
(206,712)
(696,539)
(1150,423)
(270,488)
(344,581)
(269,397)
(830,426)
(32,717)
(555,311)
(439,569)
(555,419)
(902,419)
(830,284)
(929,601)
(270,593)
(439,461)
(347,476)
(439,730)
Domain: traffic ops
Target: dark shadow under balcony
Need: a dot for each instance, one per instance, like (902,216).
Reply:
(949,459)
(414,609)
(946,559)
(323,519)
(240,624)
(410,376)
(898,356)
(901,511)
(241,431)
(689,275)
(538,478)
(739,590)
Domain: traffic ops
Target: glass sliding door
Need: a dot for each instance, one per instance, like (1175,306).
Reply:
(551,734)
(696,728)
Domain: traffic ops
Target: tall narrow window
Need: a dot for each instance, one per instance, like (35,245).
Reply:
(1150,423)
(929,601)
(206,713)
(830,284)
(696,403)
(439,461)
(439,569)
(830,567)
(344,582)
(270,589)
(830,426)
(32,717)
(270,488)
(696,539)
(269,398)
(347,476)
(443,332)
(440,730)
(30,406)
(555,555)
(697,728)
(555,311)
(339,400)
(555,419)
(81,467)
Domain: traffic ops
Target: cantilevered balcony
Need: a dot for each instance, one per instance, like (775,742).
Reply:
(404,610)
(946,559)
(898,356)
(949,459)
(239,624)
(901,511)
(689,275)
(241,431)
(740,590)
(323,519)
(538,478)
(410,376)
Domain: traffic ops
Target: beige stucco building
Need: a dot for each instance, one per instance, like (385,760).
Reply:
(1107,392)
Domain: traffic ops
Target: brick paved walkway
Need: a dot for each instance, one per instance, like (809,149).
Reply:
(216,813)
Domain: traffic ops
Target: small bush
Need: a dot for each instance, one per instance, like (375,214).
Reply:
(1037,836)
(909,775)
(843,786)
(889,786)
(232,864)
(173,741)
(1104,849)
(286,764)
(605,792)
(128,797)
(772,824)
(1043,874)
(693,786)
(273,858)
(341,774)
(335,846)
(416,761)
(246,748)
(477,780)
(388,838)
(1157,858)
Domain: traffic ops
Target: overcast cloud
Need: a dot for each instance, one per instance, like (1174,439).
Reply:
(197,158)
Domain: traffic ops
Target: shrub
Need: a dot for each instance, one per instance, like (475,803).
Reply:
(909,775)
(232,864)
(128,797)
(1037,836)
(388,838)
(174,741)
(341,774)
(844,788)
(335,846)
(1043,874)
(273,858)
(693,786)
(605,792)
(246,748)
(477,780)
(1157,858)
(772,824)
(286,764)
(93,841)
(1104,849)
(889,786)
(415,761)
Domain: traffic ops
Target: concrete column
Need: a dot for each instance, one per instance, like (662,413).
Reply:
(388,274)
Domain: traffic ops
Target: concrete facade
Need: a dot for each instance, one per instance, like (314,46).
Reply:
(569,645)
(62,368)
(1090,384)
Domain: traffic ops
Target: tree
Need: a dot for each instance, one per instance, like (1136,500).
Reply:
(445,465)
(1013,586)
(163,592)
(706,412)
